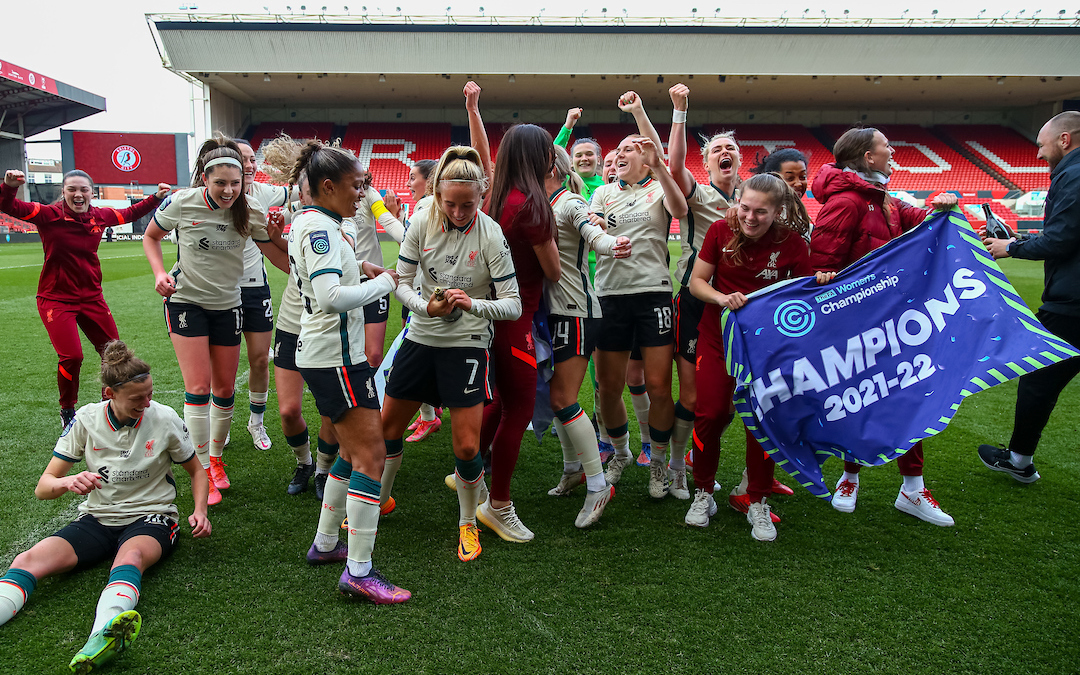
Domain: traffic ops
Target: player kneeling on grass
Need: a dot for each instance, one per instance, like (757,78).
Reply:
(331,358)
(129,444)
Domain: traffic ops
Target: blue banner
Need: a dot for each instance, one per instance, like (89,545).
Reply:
(881,357)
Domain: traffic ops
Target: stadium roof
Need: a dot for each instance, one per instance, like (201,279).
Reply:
(39,103)
(407,61)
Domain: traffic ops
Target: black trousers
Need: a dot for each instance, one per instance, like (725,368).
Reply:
(1038,391)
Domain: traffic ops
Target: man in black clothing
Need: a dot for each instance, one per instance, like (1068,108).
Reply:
(1059,247)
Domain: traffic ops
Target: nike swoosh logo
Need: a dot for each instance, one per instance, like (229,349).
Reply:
(429,249)
(97,449)
(204,445)
(664,332)
(470,391)
(197,222)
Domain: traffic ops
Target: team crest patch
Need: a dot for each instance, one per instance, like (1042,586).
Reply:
(149,449)
(320,242)
(472,259)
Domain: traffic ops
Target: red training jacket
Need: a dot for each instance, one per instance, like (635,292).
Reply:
(72,271)
(856,217)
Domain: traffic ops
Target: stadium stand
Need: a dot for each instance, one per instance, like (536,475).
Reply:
(1004,150)
(926,162)
(267,131)
(385,148)
(16,225)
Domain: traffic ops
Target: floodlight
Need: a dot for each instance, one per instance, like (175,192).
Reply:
(382,78)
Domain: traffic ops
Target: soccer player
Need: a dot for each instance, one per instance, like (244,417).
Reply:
(255,300)
(857,216)
(203,311)
(69,295)
(330,356)
(765,245)
(635,297)
(467,281)
(707,204)
(574,319)
(130,444)
(519,203)
(585,155)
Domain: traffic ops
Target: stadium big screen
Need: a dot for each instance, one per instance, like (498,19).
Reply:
(121,159)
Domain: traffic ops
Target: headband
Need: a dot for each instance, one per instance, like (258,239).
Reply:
(222,160)
(140,376)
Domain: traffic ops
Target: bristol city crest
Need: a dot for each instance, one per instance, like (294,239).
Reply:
(126,158)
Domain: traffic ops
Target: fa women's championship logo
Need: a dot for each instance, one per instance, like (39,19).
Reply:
(126,158)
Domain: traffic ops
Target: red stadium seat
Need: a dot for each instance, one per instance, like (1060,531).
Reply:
(1006,151)
(389,149)
(267,131)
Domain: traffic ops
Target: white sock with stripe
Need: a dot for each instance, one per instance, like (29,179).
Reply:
(197,419)
(120,595)
(221,412)
(362,506)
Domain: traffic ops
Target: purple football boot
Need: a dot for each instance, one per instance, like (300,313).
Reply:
(338,554)
(373,586)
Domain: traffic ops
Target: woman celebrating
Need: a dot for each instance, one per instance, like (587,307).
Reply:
(635,298)
(707,204)
(760,248)
(69,293)
(463,257)
(129,444)
(858,216)
(330,356)
(203,311)
(574,320)
(519,202)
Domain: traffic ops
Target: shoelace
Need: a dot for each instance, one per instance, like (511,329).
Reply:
(929,498)
(658,472)
(680,480)
(762,517)
(701,502)
(846,489)
(510,518)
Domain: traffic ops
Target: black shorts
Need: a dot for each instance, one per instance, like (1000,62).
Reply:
(338,390)
(94,542)
(688,311)
(224,327)
(640,320)
(377,311)
(451,377)
(258,309)
(285,350)
(572,336)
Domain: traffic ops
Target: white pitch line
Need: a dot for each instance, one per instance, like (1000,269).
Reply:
(36,534)
(112,257)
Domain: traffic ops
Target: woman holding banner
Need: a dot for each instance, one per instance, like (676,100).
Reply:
(858,215)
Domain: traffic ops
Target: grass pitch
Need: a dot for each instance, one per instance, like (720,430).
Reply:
(875,591)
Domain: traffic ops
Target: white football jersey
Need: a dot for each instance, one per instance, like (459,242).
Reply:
(268,197)
(210,252)
(134,460)
(635,211)
(707,204)
(574,294)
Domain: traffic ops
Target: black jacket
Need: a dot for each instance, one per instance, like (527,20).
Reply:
(1059,243)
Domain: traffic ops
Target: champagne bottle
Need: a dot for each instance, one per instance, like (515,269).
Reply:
(995,227)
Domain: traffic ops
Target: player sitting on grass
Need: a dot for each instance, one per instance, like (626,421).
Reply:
(129,444)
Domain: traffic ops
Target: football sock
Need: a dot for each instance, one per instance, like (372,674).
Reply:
(257,405)
(660,440)
(197,419)
(620,438)
(328,452)
(640,398)
(427,413)
(301,446)
(912,484)
(337,489)
(394,449)
(1020,461)
(15,589)
(221,411)
(680,434)
(570,460)
(469,475)
(851,477)
(120,595)
(577,427)
(362,507)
